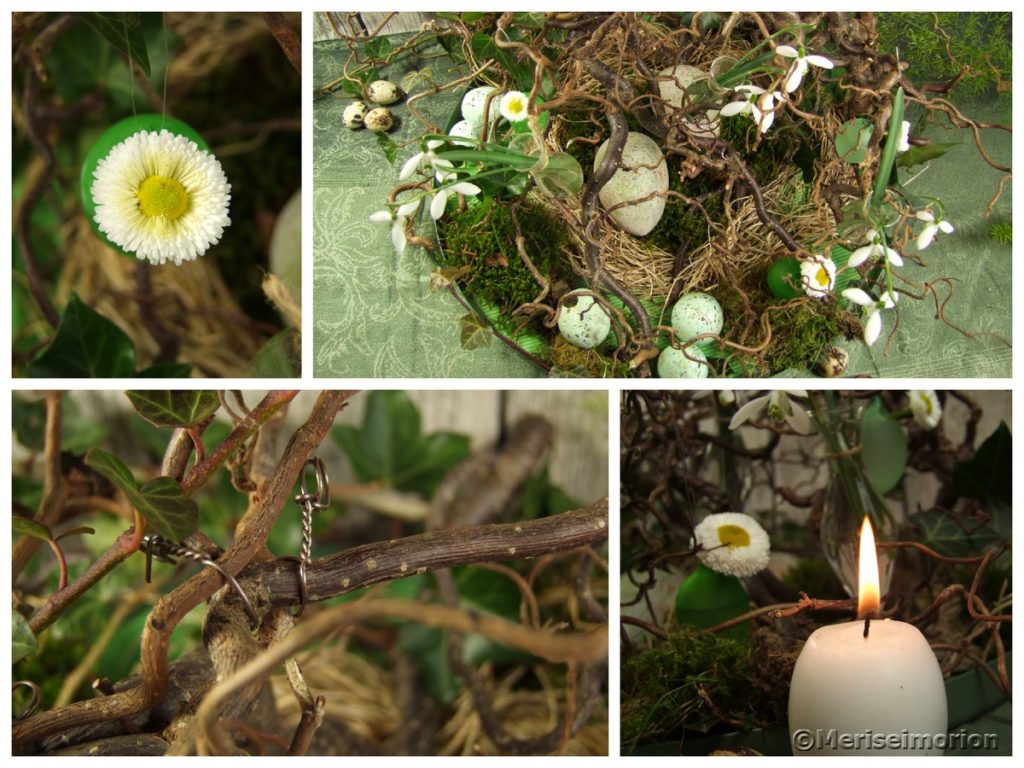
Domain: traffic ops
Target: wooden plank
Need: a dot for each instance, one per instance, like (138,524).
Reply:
(329,25)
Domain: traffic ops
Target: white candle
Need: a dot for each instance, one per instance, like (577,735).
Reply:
(867,695)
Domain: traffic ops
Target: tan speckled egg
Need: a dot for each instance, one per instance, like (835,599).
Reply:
(379,120)
(354,115)
(383,92)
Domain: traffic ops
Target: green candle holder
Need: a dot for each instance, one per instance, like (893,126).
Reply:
(113,136)
(707,598)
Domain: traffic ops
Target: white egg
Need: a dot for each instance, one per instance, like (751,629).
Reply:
(582,321)
(465,129)
(473,104)
(383,92)
(675,364)
(379,120)
(354,115)
(697,313)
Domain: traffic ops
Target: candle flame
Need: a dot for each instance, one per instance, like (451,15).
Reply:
(868,594)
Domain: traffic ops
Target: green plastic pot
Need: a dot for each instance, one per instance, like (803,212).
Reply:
(707,598)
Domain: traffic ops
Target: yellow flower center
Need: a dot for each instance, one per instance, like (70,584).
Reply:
(160,196)
(516,106)
(733,536)
(821,276)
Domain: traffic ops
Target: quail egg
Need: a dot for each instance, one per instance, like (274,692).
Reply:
(697,313)
(465,129)
(354,115)
(473,104)
(379,120)
(676,364)
(383,92)
(582,321)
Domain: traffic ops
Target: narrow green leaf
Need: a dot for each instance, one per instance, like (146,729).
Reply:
(124,32)
(174,408)
(87,345)
(23,642)
(883,447)
(30,527)
(920,155)
(892,144)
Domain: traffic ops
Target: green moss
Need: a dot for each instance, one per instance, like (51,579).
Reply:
(592,363)
(666,689)
(1001,232)
(799,335)
(980,43)
(483,239)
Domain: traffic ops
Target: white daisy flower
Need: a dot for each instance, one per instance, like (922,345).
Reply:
(872,313)
(428,160)
(779,408)
(161,197)
(514,106)
(440,201)
(732,543)
(397,220)
(798,68)
(932,227)
(818,276)
(874,248)
(926,408)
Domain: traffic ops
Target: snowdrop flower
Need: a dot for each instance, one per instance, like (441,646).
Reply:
(427,159)
(904,138)
(440,201)
(932,227)
(779,408)
(818,276)
(745,104)
(514,106)
(926,408)
(872,307)
(874,248)
(397,220)
(732,543)
(161,197)
(798,68)
(764,110)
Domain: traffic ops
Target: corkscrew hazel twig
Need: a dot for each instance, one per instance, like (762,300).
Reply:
(166,550)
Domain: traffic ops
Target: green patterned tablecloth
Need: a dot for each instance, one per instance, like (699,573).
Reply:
(375,316)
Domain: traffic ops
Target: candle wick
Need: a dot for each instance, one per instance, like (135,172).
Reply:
(867,625)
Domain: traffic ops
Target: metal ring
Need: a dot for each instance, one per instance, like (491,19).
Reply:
(33,705)
(254,619)
(303,586)
(322,499)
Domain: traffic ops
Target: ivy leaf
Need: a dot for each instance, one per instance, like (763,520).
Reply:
(280,357)
(124,32)
(883,447)
(988,477)
(943,533)
(174,408)
(161,502)
(378,48)
(23,642)
(475,333)
(388,147)
(30,527)
(87,346)
(852,140)
(166,371)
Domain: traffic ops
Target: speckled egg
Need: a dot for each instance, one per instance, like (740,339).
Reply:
(465,129)
(354,115)
(473,104)
(383,92)
(696,313)
(636,192)
(582,321)
(674,364)
(379,120)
